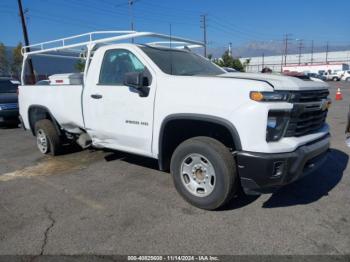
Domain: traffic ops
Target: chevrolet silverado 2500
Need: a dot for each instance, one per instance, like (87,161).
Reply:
(215,131)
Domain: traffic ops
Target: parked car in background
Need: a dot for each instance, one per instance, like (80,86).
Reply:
(297,75)
(318,76)
(331,76)
(8,101)
(346,76)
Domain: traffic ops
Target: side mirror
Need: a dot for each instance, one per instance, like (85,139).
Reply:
(138,81)
(134,79)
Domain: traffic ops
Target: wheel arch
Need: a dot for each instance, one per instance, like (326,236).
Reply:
(163,159)
(39,112)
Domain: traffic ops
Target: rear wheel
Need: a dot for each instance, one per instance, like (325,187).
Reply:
(347,79)
(204,172)
(47,138)
(335,79)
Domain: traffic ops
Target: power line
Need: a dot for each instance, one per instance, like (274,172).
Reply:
(226,32)
(167,8)
(124,12)
(233,27)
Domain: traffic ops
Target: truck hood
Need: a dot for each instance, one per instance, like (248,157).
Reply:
(279,82)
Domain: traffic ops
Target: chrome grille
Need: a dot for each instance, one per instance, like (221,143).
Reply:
(308,114)
(309,96)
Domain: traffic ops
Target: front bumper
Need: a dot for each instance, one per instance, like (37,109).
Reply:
(7,115)
(265,173)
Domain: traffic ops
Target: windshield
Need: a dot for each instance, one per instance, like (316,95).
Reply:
(180,62)
(6,86)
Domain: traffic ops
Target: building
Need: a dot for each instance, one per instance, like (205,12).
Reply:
(317,68)
(277,62)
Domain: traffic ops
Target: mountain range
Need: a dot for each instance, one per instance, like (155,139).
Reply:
(253,49)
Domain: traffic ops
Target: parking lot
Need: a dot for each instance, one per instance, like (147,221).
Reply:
(103,202)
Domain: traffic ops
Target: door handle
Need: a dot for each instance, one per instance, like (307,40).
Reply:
(96,96)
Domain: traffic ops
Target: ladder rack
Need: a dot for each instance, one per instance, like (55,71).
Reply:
(84,44)
(88,40)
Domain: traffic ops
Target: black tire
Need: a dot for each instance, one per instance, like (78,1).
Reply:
(347,79)
(54,145)
(335,79)
(223,162)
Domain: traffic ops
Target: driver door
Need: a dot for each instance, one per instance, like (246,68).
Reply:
(118,116)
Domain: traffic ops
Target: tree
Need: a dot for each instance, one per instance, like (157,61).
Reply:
(4,64)
(228,61)
(246,63)
(17,59)
(80,65)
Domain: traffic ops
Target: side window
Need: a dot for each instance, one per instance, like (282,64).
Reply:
(116,63)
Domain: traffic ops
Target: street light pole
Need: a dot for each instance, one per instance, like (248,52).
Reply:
(204,26)
(131,3)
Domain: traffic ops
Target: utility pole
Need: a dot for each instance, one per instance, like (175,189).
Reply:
(300,47)
(282,62)
(131,3)
(263,60)
(204,26)
(327,49)
(312,51)
(286,43)
(170,33)
(26,41)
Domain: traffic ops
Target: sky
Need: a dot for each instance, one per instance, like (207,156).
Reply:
(239,22)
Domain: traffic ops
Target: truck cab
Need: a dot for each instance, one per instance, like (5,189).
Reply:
(214,131)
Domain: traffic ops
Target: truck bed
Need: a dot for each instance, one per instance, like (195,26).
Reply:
(63,101)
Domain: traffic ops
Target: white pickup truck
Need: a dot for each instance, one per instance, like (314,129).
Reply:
(215,131)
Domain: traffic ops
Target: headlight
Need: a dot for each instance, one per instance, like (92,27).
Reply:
(276,125)
(275,96)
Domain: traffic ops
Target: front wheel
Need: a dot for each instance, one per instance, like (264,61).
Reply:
(347,79)
(204,172)
(47,138)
